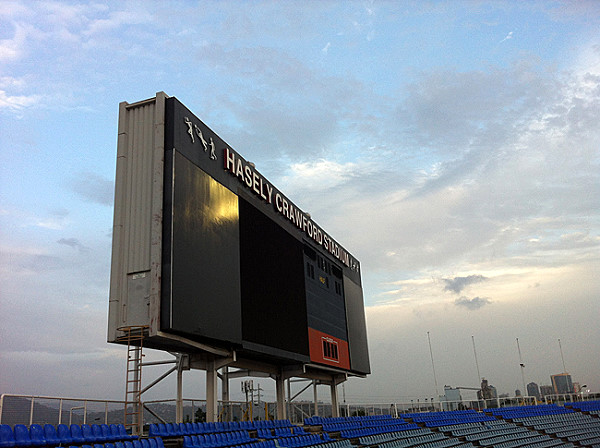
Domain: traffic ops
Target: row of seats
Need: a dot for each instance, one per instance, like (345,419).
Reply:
(593,405)
(339,426)
(362,432)
(318,420)
(138,443)
(49,435)
(276,433)
(217,440)
(301,441)
(528,411)
(387,437)
(447,418)
(189,429)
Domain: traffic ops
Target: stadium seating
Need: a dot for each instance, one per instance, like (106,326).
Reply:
(50,435)
(7,437)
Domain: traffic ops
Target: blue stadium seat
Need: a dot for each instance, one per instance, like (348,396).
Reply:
(64,434)
(123,433)
(152,443)
(77,434)
(159,442)
(108,436)
(97,434)
(7,437)
(98,445)
(21,435)
(109,445)
(36,434)
(50,435)
(136,444)
(145,443)
(88,435)
(188,442)
(127,444)
(119,444)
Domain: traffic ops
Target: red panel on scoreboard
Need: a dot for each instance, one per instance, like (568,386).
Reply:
(326,349)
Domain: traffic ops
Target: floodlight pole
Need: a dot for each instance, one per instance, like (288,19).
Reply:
(562,357)
(477,365)
(524,393)
(433,367)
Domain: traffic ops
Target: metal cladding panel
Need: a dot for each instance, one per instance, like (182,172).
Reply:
(135,267)
(139,175)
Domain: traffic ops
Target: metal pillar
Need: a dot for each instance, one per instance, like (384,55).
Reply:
(179,403)
(225,392)
(335,408)
(280,392)
(211,392)
(315,398)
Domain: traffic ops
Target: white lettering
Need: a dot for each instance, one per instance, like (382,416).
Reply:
(248,179)
(239,172)
(229,161)
(255,182)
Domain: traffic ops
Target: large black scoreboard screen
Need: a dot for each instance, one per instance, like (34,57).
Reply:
(243,267)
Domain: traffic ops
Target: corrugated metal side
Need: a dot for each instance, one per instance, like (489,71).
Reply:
(138,217)
(137,227)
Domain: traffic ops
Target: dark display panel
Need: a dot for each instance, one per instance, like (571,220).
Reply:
(273,296)
(324,295)
(236,260)
(203,294)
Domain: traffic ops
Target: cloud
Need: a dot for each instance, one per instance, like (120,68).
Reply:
(457,284)
(507,37)
(56,219)
(17,102)
(13,48)
(74,243)
(94,188)
(472,304)
(325,49)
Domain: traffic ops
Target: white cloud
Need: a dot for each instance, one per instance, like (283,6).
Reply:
(17,102)
(14,48)
(507,37)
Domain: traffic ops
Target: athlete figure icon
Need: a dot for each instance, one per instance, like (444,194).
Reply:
(201,137)
(213,156)
(189,131)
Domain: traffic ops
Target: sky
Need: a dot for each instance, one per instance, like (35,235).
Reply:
(451,146)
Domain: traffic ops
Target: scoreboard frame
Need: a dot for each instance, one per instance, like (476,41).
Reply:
(210,258)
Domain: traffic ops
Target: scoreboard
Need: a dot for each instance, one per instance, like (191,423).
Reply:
(207,252)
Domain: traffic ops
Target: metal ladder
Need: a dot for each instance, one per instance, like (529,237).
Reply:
(134,336)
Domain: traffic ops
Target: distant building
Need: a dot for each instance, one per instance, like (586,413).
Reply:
(487,391)
(562,383)
(451,400)
(533,391)
(546,390)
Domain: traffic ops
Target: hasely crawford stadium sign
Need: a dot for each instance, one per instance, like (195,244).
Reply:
(261,187)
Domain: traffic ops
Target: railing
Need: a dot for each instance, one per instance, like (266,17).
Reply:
(28,409)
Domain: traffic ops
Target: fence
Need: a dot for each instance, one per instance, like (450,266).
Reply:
(27,409)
